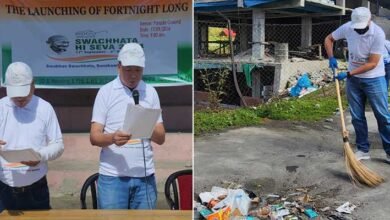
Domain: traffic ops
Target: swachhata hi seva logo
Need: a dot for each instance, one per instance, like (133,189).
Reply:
(87,46)
(58,43)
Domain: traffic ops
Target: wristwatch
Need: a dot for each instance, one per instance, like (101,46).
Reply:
(349,75)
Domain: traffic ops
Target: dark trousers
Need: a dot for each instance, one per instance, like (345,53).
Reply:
(34,196)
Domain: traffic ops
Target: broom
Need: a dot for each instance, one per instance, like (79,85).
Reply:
(357,171)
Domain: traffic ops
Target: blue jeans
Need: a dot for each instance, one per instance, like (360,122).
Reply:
(359,90)
(34,196)
(387,76)
(127,192)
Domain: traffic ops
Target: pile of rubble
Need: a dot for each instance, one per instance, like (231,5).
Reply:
(223,204)
(318,79)
(304,83)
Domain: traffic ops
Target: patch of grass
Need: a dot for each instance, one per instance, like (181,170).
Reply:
(312,107)
(210,121)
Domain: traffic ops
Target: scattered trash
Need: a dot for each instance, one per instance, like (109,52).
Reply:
(338,216)
(311,213)
(329,120)
(243,204)
(295,194)
(305,199)
(238,200)
(279,214)
(205,197)
(273,196)
(220,215)
(264,212)
(302,87)
(346,208)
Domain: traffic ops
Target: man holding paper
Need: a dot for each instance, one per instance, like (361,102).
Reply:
(29,137)
(126,172)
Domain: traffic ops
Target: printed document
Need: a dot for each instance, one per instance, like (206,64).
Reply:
(16,156)
(140,121)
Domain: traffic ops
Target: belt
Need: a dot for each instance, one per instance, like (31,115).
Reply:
(41,182)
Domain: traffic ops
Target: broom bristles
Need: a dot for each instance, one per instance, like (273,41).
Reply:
(358,172)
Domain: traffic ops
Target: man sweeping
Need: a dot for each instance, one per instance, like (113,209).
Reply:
(365,77)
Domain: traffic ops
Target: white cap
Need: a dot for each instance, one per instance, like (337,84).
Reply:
(360,17)
(132,54)
(18,79)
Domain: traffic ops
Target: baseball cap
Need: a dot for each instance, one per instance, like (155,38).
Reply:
(132,54)
(18,78)
(360,17)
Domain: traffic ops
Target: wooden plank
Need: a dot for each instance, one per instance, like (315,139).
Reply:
(78,214)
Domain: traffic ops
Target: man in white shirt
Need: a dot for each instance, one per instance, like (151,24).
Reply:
(26,121)
(365,77)
(386,60)
(126,172)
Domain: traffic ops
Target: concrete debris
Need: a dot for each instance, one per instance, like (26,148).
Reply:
(318,79)
(297,59)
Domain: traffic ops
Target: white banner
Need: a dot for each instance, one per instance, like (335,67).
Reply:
(75,43)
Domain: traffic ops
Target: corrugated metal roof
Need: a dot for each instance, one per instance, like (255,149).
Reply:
(291,6)
(228,4)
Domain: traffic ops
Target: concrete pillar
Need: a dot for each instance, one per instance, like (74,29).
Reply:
(240,3)
(306,31)
(281,52)
(196,36)
(277,78)
(256,83)
(341,3)
(258,33)
(244,37)
(365,3)
(203,38)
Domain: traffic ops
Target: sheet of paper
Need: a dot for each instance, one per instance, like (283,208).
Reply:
(140,121)
(16,156)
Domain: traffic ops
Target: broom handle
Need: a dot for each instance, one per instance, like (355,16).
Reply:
(344,132)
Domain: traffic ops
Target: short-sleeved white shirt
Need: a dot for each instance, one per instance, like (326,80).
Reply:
(386,53)
(33,126)
(361,46)
(109,110)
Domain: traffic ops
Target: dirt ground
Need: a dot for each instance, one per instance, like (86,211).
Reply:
(281,156)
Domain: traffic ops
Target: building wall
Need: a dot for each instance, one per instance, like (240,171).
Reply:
(74,107)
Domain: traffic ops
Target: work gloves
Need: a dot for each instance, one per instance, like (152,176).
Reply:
(333,63)
(341,76)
